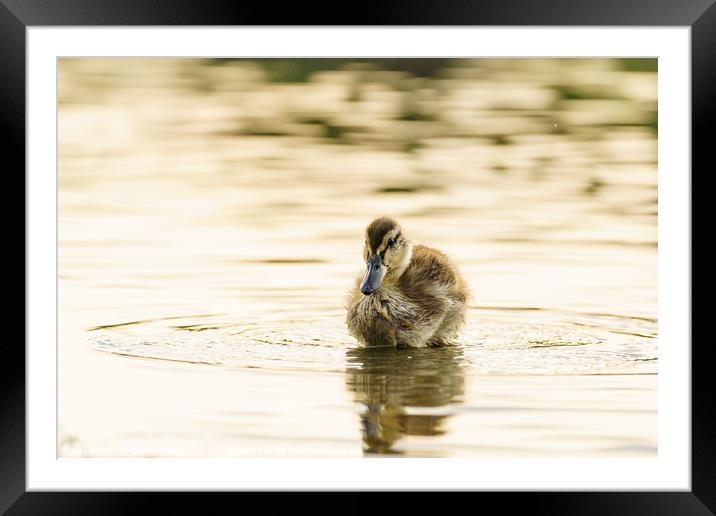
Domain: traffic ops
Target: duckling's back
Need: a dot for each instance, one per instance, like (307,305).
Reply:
(431,273)
(434,284)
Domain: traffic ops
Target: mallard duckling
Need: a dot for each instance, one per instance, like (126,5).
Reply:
(410,296)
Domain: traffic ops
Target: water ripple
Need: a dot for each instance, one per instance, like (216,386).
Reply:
(489,345)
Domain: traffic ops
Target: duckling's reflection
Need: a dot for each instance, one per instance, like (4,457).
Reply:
(394,384)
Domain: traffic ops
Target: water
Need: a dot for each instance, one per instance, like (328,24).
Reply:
(210,226)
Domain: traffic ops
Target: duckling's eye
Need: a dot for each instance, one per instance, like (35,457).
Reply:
(391,242)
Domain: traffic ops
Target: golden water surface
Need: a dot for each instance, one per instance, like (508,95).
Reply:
(211,217)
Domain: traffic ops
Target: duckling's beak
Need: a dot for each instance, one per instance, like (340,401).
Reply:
(373,275)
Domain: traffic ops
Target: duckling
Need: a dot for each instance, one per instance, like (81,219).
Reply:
(410,296)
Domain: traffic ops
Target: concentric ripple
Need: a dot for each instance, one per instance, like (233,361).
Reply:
(494,342)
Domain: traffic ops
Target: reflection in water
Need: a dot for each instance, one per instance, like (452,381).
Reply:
(396,385)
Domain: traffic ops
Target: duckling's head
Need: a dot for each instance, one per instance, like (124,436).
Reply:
(387,254)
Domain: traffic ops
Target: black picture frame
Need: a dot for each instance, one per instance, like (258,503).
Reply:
(17,15)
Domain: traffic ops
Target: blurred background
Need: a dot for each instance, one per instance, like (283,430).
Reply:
(211,213)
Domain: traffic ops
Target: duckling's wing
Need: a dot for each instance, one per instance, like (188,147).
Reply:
(433,282)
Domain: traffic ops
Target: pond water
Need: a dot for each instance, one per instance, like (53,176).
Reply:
(211,219)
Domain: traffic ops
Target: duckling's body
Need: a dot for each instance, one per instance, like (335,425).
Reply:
(411,296)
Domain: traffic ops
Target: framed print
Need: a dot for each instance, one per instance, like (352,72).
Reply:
(443,250)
